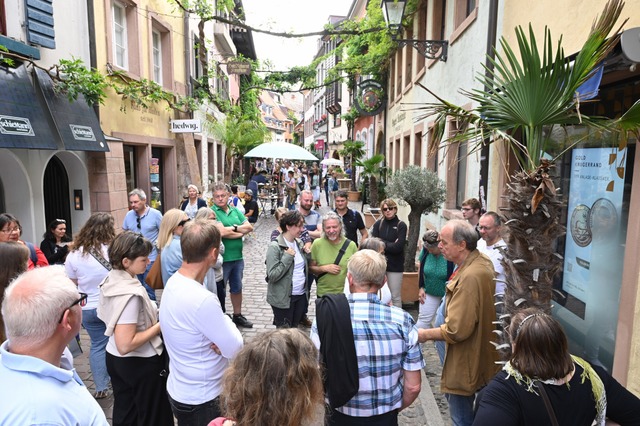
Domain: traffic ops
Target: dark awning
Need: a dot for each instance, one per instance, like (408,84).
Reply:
(75,122)
(23,123)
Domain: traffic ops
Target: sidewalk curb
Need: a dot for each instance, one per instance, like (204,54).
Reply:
(429,406)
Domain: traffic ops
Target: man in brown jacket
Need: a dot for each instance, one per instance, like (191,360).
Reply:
(468,329)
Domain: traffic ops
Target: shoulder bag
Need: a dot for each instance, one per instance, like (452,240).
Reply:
(154,277)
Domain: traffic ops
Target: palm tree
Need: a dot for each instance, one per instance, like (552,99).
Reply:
(354,150)
(239,136)
(523,101)
(371,170)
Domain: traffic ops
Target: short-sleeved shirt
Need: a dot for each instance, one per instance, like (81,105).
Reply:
(34,391)
(251,205)
(323,252)
(149,226)
(386,342)
(311,220)
(232,246)
(352,222)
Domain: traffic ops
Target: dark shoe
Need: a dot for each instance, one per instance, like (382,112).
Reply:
(306,322)
(241,321)
(101,394)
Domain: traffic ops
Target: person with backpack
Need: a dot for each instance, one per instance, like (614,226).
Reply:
(351,219)
(11,230)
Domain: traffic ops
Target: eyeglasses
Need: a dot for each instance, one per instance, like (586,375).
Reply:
(82,301)
(386,209)
(10,230)
(182,222)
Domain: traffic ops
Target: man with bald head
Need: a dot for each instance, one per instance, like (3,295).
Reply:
(42,313)
(468,328)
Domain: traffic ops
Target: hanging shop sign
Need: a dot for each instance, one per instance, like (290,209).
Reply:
(185,126)
(237,67)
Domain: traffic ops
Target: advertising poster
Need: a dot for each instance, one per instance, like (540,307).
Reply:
(593,222)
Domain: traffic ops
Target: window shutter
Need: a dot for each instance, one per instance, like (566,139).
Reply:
(40,23)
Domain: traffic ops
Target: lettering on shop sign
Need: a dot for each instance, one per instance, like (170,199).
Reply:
(82,133)
(185,126)
(149,110)
(399,118)
(15,126)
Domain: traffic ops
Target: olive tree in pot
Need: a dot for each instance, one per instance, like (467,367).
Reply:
(424,192)
(354,150)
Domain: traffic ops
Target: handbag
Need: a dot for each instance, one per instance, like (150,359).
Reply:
(154,277)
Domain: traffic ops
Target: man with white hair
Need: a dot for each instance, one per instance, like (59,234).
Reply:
(42,313)
(387,362)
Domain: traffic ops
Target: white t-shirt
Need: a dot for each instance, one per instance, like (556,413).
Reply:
(493,253)
(384,294)
(299,277)
(130,315)
(191,320)
(88,272)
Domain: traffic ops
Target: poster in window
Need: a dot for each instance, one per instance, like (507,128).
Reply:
(591,257)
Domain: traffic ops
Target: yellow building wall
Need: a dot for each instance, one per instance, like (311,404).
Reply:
(570,18)
(573,19)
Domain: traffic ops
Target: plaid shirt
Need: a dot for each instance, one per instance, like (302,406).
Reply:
(386,340)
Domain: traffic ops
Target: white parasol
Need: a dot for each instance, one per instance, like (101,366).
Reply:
(282,150)
(331,162)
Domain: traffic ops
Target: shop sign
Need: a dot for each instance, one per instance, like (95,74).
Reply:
(185,126)
(237,67)
(15,126)
(82,133)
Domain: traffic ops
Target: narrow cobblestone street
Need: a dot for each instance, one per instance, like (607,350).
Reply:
(429,409)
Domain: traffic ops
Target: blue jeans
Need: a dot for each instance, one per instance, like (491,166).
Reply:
(439,320)
(232,273)
(195,415)
(461,409)
(96,328)
(151,292)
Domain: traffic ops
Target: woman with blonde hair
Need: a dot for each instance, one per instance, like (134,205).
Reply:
(191,205)
(87,266)
(274,380)
(168,242)
(13,261)
(136,359)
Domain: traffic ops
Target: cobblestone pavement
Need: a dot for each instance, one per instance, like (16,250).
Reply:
(429,409)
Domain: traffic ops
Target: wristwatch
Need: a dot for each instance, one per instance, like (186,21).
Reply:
(235,228)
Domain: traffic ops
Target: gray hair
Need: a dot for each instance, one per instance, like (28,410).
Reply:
(367,268)
(140,193)
(332,216)
(497,220)
(220,186)
(372,243)
(33,304)
(464,231)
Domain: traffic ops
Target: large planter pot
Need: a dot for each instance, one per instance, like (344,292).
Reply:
(354,195)
(410,287)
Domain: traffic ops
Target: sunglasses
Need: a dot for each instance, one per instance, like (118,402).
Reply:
(138,221)
(182,222)
(386,209)
(82,301)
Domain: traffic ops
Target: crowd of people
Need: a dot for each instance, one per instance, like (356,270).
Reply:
(359,363)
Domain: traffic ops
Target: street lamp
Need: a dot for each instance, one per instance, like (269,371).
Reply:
(393,11)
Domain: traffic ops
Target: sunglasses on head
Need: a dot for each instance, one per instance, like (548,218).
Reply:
(182,222)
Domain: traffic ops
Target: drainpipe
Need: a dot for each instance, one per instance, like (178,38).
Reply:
(93,61)
(491,43)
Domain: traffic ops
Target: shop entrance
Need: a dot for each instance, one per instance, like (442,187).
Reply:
(57,204)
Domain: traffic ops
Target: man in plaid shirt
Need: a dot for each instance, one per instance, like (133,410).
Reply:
(386,343)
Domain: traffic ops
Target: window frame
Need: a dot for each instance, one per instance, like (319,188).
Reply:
(125,30)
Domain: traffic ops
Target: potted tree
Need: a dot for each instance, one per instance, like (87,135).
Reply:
(354,150)
(423,192)
(372,170)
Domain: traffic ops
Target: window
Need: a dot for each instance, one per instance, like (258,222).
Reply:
(120,42)
(439,19)
(157,56)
